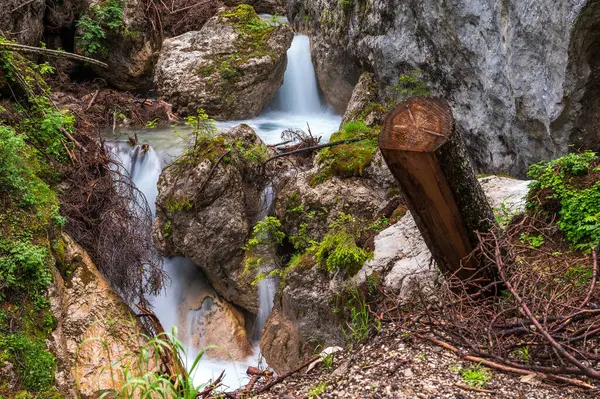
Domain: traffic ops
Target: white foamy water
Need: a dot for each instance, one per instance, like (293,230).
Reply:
(297,104)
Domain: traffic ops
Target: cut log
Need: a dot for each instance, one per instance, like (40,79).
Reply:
(425,152)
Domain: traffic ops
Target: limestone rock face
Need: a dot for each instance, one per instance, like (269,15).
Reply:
(228,67)
(212,232)
(90,318)
(521,77)
(22,21)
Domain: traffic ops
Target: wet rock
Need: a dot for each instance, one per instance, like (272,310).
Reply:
(300,201)
(214,322)
(281,343)
(521,80)
(94,328)
(22,21)
(206,214)
(232,67)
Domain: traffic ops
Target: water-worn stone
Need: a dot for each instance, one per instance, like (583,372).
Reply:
(363,94)
(212,232)
(228,68)
(212,321)
(521,77)
(95,329)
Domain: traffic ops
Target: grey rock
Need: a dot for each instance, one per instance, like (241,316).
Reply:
(217,69)
(22,21)
(363,94)
(519,75)
(213,232)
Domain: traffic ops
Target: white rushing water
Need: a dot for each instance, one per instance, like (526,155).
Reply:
(296,104)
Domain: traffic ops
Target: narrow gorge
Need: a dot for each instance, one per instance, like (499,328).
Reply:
(299,199)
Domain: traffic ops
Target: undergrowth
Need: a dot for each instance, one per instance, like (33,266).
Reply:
(96,24)
(33,146)
(573,183)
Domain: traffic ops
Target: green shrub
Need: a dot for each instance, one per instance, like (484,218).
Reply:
(476,376)
(574,181)
(94,27)
(409,85)
(265,234)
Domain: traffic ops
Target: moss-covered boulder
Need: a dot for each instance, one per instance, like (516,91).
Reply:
(232,67)
(207,202)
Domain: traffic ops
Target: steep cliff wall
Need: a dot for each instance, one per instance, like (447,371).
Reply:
(520,74)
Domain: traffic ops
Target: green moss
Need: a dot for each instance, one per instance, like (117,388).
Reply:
(175,205)
(348,160)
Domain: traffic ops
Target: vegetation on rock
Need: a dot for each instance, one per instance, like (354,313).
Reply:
(570,187)
(97,24)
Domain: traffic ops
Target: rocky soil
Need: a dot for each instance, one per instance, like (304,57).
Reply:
(397,364)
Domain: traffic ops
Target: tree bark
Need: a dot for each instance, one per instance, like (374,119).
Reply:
(425,152)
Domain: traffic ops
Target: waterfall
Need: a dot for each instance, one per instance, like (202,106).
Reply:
(299,94)
(267,286)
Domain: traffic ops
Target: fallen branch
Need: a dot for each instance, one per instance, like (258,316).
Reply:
(313,148)
(92,100)
(507,369)
(593,283)
(286,375)
(51,53)
(70,137)
(475,389)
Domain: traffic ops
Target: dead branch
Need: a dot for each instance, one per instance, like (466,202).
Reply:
(282,377)
(51,53)
(474,389)
(313,148)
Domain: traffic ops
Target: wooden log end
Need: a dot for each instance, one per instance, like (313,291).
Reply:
(420,124)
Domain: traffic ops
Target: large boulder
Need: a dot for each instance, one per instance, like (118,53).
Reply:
(232,67)
(302,317)
(22,21)
(95,329)
(205,211)
(521,77)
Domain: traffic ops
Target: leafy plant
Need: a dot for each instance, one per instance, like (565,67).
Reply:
(265,234)
(411,84)
(360,317)
(338,250)
(100,20)
(317,389)
(476,376)
(534,241)
(139,381)
(574,183)
(522,353)
(380,224)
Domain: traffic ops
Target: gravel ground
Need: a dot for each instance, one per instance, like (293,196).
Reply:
(403,367)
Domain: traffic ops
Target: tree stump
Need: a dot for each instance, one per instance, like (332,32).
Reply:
(424,151)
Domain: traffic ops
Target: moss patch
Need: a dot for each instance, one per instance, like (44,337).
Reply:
(347,160)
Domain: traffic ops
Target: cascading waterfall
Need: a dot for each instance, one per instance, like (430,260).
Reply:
(299,94)
(267,286)
(296,103)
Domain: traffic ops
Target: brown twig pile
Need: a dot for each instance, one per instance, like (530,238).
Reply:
(540,315)
(111,219)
